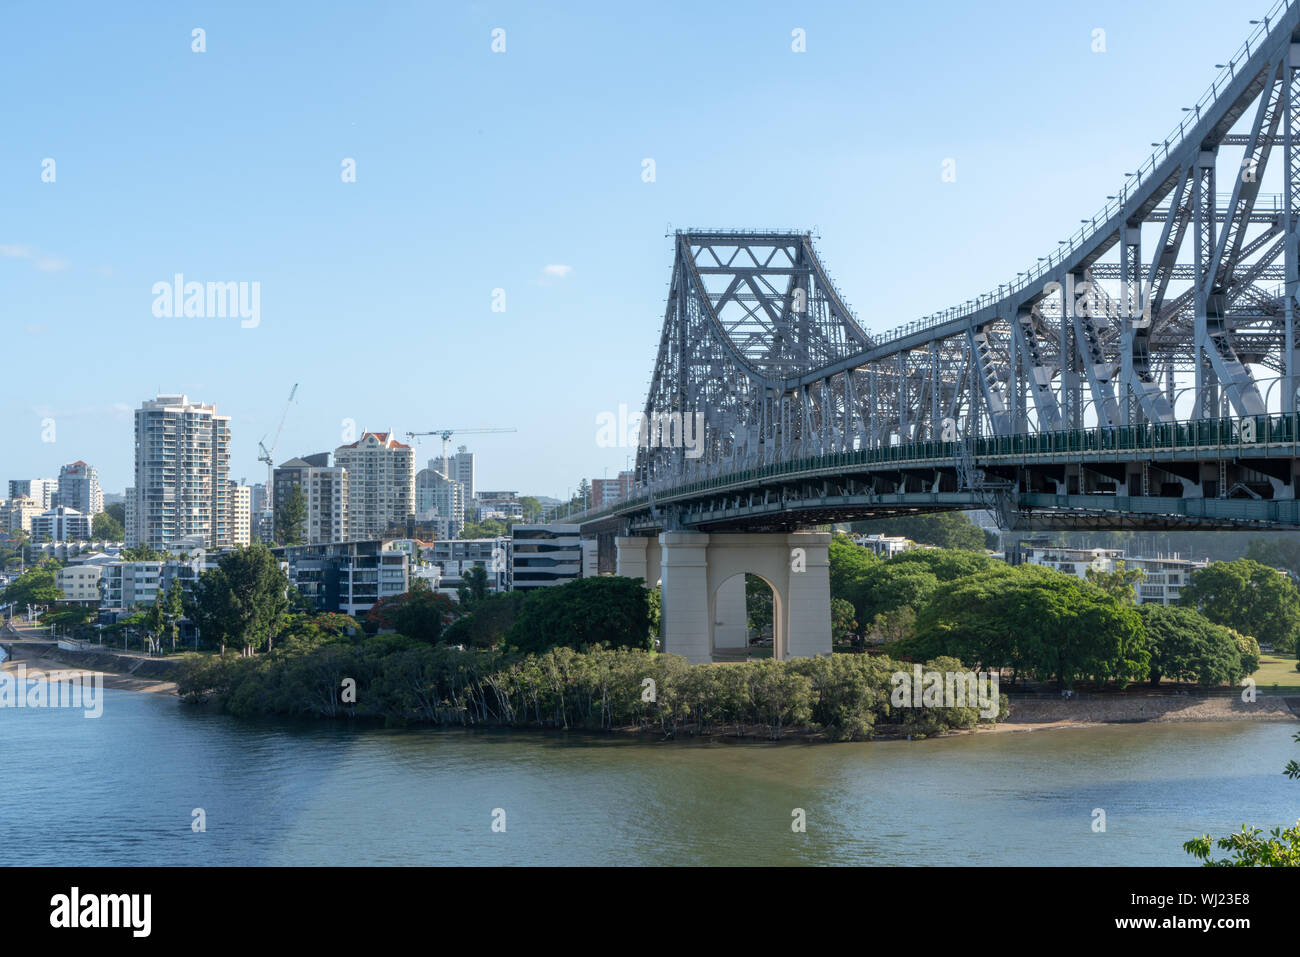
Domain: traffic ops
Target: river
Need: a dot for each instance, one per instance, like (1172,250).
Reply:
(122,789)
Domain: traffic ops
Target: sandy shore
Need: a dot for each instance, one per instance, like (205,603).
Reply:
(35,663)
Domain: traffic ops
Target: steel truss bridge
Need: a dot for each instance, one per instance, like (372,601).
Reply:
(1142,374)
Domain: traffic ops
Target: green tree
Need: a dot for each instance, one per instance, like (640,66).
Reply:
(944,529)
(1185,646)
(242,601)
(474,587)
(609,610)
(417,613)
(104,527)
(34,586)
(143,553)
(174,609)
(1248,597)
(291,518)
(848,563)
(532,508)
(1120,584)
(491,528)
(843,624)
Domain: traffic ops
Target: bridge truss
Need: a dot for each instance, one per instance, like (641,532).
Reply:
(1177,301)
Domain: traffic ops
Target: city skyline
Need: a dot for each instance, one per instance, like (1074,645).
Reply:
(367,279)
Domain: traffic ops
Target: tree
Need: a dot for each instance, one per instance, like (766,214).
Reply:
(475,586)
(291,518)
(117,512)
(1120,584)
(848,562)
(1036,621)
(33,587)
(242,601)
(417,613)
(1248,597)
(174,609)
(490,528)
(1248,847)
(944,529)
(1185,646)
(104,527)
(608,610)
(843,623)
(532,508)
(143,553)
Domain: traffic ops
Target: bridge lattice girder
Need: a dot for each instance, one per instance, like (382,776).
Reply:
(1177,299)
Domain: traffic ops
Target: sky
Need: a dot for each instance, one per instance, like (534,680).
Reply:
(521,171)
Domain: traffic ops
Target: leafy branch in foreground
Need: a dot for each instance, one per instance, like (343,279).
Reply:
(1249,848)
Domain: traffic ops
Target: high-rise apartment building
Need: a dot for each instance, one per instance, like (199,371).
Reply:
(381,484)
(78,487)
(17,513)
(41,489)
(182,465)
(440,499)
(241,514)
(325,491)
(461,468)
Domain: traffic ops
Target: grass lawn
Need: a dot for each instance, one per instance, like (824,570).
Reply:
(1277,668)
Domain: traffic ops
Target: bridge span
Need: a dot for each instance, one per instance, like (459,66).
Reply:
(1143,374)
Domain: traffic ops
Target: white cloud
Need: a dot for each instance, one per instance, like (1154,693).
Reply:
(556,271)
(14,252)
(42,262)
(51,264)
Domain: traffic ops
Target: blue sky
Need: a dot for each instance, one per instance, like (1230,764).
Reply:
(477,170)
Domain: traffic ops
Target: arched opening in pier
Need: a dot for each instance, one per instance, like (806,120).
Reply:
(745,620)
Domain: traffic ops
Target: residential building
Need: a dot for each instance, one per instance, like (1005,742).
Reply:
(182,464)
(60,524)
(439,499)
(325,492)
(886,546)
(41,489)
(380,484)
(78,487)
(454,557)
(544,555)
(1164,575)
(498,505)
(607,491)
(462,471)
(241,514)
(346,577)
(80,583)
(16,513)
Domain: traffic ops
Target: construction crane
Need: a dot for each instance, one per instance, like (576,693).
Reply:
(268,455)
(446,434)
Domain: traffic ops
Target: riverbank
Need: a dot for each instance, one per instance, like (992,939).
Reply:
(120,672)
(155,676)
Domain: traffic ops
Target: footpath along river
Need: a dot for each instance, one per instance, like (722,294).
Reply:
(122,789)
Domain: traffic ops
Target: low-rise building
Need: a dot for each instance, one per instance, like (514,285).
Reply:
(1164,575)
(346,577)
(886,546)
(544,555)
(61,524)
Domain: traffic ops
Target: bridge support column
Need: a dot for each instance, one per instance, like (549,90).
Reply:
(730,615)
(685,620)
(637,557)
(808,605)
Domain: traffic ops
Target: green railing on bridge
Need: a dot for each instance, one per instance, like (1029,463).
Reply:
(1245,432)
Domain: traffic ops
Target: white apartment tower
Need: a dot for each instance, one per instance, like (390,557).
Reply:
(380,484)
(182,464)
(78,487)
(241,514)
(462,471)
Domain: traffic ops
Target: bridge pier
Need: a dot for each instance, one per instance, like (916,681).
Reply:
(703,589)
